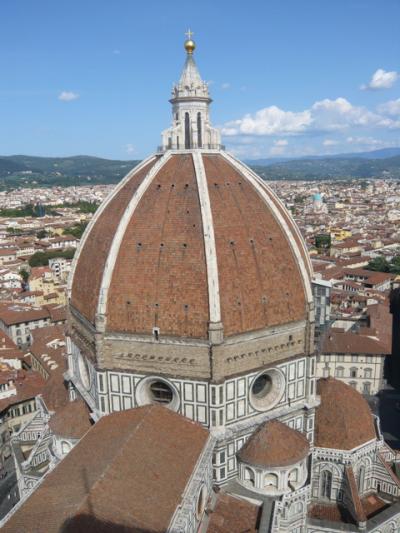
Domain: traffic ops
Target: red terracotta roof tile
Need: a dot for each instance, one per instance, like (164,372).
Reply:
(343,420)
(275,444)
(123,473)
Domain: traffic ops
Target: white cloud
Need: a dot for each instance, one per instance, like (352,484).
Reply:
(330,115)
(130,148)
(330,142)
(279,147)
(323,115)
(392,107)
(381,79)
(226,85)
(68,96)
(365,141)
(269,121)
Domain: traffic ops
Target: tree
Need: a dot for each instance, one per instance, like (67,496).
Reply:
(24,275)
(42,258)
(77,230)
(42,234)
(378,264)
(323,241)
(394,265)
(15,231)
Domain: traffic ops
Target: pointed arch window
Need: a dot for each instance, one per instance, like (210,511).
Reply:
(199,132)
(187,131)
(326,484)
(361,478)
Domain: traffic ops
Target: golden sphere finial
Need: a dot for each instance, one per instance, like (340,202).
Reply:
(190,45)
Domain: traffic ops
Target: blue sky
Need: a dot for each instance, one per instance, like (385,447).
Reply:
(288,77)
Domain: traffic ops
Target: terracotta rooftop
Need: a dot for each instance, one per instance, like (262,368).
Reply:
(28,385)
(349,342)
(58,313)
(331,512)
(354,500)
(55,392)
(17,313)
(71,420)
(274,444)
(49,341)
(343,420)
(232,514)
(122,474)
(8,348)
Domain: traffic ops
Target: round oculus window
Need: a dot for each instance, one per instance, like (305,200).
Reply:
(84,371)
(201,501)
(157,391)
(267,389)
(161,392)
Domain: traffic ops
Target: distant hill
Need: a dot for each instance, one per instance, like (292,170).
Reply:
(22,170)
(331,168)
(31,171)
(374,154)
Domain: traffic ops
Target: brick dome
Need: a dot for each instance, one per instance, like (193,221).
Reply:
(344,420)
(187,241)
(275,444)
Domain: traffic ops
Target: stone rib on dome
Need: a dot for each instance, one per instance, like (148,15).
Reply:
(274,444)
(151,265)
(343,420)
(96,242)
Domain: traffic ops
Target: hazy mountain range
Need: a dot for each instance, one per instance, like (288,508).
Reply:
(22,170)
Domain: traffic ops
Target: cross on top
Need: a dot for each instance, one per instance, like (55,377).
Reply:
(189,34)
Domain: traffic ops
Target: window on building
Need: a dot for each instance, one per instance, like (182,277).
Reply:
(368,373)
(354,358)
(199,133)
(161,392)
(249,476)
(353,372)
(353,384)
(201,502)
(361,478)
(187,131)
(340,358)
(271,481)
(339,372)
(294,475)
(326,484)
(65,447)
(367,387)
(325,372)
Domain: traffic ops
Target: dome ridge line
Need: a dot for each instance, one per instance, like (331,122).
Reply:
(97,214)
(119,234)
(295,227)
(255,181)
(215,326)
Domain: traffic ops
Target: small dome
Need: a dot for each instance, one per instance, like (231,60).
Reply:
(274,444)
(344,420)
